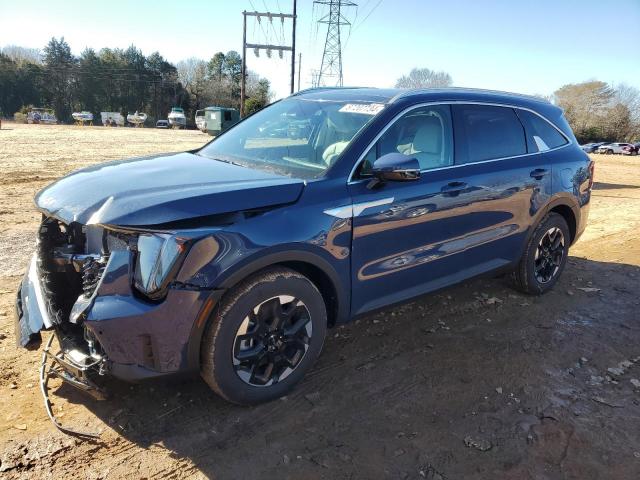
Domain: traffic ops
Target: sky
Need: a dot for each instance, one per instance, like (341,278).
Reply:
(531,47)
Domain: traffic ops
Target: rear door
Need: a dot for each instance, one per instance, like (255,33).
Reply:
(498,156)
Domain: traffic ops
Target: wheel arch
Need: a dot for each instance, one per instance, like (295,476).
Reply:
(323,275)
(569,216)
(564,204)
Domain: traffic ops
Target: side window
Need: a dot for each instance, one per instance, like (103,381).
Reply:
(485,132)
(425,133)
(227,116)
(541,135)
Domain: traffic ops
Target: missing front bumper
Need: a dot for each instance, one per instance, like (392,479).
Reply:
(71,363)
(56,365)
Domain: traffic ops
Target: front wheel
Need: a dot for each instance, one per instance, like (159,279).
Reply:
(545,256)
(265,335)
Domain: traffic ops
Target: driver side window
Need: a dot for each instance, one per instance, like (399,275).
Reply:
(425,133)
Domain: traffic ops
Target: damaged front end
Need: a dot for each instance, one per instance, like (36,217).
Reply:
(115,301)
(58,287)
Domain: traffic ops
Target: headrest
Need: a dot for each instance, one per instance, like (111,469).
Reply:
(428,137)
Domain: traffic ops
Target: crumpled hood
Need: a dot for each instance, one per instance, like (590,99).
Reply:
(161,189)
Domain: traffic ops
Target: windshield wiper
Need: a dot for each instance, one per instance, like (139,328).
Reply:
(223,161)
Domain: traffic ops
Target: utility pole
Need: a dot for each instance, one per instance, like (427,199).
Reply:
(293,48)
(243,81)
(268,47)
(331,66)
(299,68)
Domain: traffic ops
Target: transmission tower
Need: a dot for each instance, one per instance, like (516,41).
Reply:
(331,67)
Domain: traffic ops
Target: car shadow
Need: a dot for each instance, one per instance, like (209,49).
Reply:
(430,386)
(612,186)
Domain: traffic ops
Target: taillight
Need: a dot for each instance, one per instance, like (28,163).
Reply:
(592,168)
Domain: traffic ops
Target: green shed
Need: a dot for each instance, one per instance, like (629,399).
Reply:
(220,119)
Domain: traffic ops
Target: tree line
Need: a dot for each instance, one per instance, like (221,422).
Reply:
(595,110)
(121,80)
(599,112)
(125,80)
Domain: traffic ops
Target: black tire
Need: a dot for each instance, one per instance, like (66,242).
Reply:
(530,276)
(222,340)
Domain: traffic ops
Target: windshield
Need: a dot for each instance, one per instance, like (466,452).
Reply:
(295,137)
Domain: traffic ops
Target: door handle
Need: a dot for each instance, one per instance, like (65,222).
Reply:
(538,173)
(454,187)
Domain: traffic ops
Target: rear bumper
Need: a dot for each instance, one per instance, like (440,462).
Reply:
(582,220)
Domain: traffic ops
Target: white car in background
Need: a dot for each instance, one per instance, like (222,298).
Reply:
(619,148)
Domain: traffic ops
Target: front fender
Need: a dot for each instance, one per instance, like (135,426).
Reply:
(290,255)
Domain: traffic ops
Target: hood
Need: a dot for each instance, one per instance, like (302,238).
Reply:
(161,189)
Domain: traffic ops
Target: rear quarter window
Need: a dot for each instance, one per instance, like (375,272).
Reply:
(541,135)
(485,132)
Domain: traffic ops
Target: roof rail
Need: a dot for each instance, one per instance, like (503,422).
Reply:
(322,89)
(412,91)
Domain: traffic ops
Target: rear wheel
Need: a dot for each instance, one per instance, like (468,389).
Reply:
(266,334)
(545,256)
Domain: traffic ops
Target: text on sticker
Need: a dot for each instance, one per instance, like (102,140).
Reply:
(363,108)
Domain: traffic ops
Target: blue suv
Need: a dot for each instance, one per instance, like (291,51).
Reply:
(234,259)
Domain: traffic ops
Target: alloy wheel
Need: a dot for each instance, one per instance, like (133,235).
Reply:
(549,255)
(272,341)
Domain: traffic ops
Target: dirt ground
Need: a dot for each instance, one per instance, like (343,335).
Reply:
(474,382)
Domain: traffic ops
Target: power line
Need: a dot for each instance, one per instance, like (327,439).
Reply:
(259,21)
(368,15)
(355,19)
(269,47)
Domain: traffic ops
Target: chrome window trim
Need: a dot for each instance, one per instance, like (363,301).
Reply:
(355,209)
(351,181)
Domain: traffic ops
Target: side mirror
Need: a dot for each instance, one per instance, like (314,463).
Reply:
(396,167)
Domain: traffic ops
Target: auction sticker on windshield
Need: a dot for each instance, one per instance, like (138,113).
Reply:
(363,108)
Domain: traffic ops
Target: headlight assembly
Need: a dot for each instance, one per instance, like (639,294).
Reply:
(157,259)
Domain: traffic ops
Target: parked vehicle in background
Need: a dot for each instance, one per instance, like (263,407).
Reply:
(112,119)
(44,116)
(201,122)
(162,124)
(176,118)
(233,260)
(220,119)
(82,118)
(617,148)
(591,147)
(137,119)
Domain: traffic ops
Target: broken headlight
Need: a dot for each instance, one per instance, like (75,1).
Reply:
(157,259)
